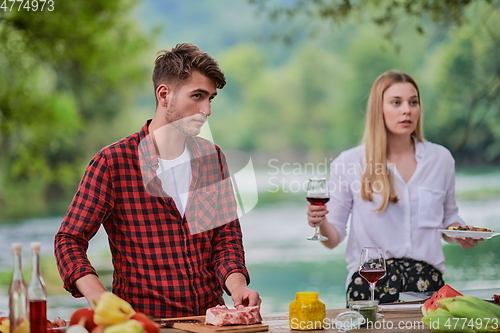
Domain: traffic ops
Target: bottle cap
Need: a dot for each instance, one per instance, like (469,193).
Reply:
(307,294)
(35,247)
(17,247)
(349,320)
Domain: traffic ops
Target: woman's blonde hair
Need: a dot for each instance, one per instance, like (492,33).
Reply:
(376,176)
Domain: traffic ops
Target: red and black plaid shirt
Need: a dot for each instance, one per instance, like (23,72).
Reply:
(165,264)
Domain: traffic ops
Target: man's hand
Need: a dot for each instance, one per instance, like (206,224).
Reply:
(240,294)
(245,296)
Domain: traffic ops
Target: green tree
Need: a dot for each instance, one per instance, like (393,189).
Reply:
(66,74)
(468,86)
(463,87)
(390,15)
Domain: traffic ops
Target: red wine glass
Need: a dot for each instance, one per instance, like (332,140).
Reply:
(372,266)
(317,194)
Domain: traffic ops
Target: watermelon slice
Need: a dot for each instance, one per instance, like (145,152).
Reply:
(443,292)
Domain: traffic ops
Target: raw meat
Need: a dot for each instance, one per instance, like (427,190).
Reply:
(222,316)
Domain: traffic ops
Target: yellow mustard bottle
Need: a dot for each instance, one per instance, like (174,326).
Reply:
(306,312)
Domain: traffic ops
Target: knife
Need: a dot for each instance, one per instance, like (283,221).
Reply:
(168,323)
(399,307)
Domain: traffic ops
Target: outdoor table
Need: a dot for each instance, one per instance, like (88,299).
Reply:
(405,318)
(400,321)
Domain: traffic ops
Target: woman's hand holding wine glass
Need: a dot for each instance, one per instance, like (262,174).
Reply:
(372,266)
(317,194)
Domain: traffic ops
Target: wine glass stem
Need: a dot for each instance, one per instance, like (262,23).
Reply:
(317,231)
(372,290)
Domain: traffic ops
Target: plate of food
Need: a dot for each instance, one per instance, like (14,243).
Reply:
(57,325)
(469,232)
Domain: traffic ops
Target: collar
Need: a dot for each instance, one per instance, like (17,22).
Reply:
(419,150)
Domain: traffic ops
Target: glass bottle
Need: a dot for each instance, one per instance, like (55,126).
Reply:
(307,312)
(37,293)
(18,296)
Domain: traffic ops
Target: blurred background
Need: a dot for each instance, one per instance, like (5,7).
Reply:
(78,77)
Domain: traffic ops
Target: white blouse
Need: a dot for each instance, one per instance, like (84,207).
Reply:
(406,229)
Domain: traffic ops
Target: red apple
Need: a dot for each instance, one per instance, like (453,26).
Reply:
(86,313)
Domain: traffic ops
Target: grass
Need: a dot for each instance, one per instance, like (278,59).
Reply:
(481,194)
(50,275)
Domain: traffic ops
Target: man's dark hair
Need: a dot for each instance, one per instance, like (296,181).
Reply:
(176,66)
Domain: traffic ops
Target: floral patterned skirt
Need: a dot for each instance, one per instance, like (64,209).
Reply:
(402,275)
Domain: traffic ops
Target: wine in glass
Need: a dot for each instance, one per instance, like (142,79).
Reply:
(317,194)
(372,266)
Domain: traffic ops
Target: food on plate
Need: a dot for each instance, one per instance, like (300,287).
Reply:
(445,291)
(474,314)
(111,310)
(5,325)
(57,322)
(57,329)
(222,316)
(468,228)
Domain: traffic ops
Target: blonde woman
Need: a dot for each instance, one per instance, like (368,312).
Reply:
(398,190)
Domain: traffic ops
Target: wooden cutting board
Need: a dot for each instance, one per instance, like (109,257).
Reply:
(201,327)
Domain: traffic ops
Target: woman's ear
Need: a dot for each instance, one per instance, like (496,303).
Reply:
(162,93)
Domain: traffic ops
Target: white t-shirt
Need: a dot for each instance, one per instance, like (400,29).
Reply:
(406,229)
(175,176)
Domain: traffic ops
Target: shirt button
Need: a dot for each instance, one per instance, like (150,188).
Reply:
(187,254)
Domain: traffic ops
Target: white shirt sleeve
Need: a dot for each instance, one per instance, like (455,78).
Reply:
(340,204)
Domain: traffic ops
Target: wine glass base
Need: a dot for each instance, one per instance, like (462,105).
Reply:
(317,238)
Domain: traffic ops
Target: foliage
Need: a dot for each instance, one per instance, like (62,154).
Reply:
(70,76)
(450,47)
(390,15)
(468,81)
(312,104)
(63,72)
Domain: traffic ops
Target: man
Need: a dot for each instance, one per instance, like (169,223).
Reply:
(165,200)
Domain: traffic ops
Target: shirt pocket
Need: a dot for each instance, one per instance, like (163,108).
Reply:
(202,210)
(430,207)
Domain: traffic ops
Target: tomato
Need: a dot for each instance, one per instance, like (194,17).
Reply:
(149,325)
(86,313)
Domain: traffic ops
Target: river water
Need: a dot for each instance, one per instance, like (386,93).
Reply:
(280,259)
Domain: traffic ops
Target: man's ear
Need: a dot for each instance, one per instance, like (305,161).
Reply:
(162,95)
